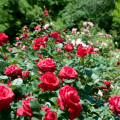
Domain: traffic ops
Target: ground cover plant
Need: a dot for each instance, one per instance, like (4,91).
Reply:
(59,75)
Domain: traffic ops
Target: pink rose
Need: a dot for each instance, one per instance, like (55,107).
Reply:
(17,38)
(84,23)
(24,28)
(46,26)
(45,12)
(10,49)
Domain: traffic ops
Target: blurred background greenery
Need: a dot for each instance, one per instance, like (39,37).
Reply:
(65,14)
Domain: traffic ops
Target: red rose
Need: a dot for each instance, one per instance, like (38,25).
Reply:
(3,38)
(50,82)
(47,65)
(39,56)
(63,30)
(54,34)
(26,109)
(107,83)
(69,47)
(81,52)
(9,83)
(37,28)
(59,40)
(90,50)
(74,112)
(50,115)
(118,63)
(45,108)
(23,96)
(79,46)
(5,57)
(26,73)
(38,43)
(45,38)
(67,73)
(6,97)
(114,104)
(45,12)
(69,98)
(13,71)
(25,35)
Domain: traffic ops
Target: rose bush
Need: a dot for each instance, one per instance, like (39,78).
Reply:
(59,75)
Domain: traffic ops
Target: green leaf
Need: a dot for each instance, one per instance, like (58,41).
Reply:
(101,84)
(42,113)
(13,87)
(88,89)
(33,55)
(35,71)
(17,81)
(60,45)
(68,81)
(2,66)
(35,106)
(88,72)
(35,118)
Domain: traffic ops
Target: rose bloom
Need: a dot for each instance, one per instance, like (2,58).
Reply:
(5,57)
(114,104)
(107,83)
(9,83)
(25,35)
(74,30)
(63,30)
(38,42)
(69,98)
(47,65)
(24,28)
(26,74)
(10,49)
(13,71)
(45,38)
(17,38)
(46,26)
(3,38)
(50,82)
(26,109)
(50,115)
(90,50)
(37,28)
(67,73)
(6,97)
(54,34)
(69,47)
(23,47)
(81,52)
(45,12)
(84,23)
(58,49)
(118,63)
(59,40)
